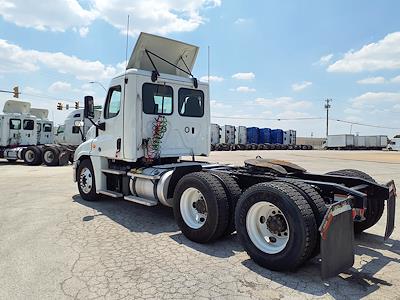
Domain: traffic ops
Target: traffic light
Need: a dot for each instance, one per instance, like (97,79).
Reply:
(16,91)
(66,106)
(59,106)
(76,104)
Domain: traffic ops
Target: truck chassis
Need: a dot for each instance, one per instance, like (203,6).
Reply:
(283,215)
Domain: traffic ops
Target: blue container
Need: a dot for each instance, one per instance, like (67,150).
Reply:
(277,136)
(253,135)
(265,136)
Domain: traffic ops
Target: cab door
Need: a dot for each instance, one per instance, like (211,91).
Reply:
(14,136)
(109,140)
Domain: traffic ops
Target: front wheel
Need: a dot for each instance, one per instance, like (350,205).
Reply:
(86,181)
(276,226)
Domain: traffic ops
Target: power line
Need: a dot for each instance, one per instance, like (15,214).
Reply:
(40,96)
(363,124)
(270,119)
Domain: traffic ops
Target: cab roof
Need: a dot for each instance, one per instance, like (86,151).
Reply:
(168,56)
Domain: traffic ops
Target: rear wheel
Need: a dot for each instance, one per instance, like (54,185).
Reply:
(201,207)
(32,156)
(233,192)
(276,225)
(86,181)
(50,156)
(375,206)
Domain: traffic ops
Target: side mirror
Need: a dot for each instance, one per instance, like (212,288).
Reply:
(78,123)
(89,107)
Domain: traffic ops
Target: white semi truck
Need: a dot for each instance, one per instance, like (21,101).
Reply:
(156,112)
(27,134)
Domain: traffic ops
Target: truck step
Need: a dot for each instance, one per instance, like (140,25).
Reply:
(112,171)
(111,193)
(142,201)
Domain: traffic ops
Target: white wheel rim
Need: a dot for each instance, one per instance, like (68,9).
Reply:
(86,180)
(48,156)
(262,228)
(193,208)
(29,156)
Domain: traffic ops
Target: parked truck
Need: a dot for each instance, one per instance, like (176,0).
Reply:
(157,112)
(27,134)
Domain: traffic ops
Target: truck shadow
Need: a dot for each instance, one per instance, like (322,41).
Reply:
(356,283)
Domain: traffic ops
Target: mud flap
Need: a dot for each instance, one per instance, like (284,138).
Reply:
(337,239)
(391,209)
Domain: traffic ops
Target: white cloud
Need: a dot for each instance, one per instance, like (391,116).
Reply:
(59,86)
(372,80)
(395,79)
(324,60)
(301,86)
(375,99)
(83,31)
(55,15)
(155,16)
(14,59)
(213,78)
(352,111)
(284,103)
(244,89)
(291,114)
(217,104)
(243,21)
(244,76)
(384,54)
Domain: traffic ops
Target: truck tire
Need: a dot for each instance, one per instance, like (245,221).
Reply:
(375,206)
(316,203)
(233,192)
(201,207)
(86,181)
(32,156)
(279,212)
(50,156)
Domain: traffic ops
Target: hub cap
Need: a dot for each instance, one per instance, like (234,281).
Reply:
(29,156)
(48,156)
(86,180)
(193,208)
(267,227)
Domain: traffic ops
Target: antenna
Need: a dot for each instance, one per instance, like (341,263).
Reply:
(127,41)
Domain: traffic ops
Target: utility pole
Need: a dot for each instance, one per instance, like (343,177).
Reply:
(327,107)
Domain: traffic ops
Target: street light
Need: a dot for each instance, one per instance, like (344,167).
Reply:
(99,83)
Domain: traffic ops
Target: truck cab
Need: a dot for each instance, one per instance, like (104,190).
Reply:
(44,126)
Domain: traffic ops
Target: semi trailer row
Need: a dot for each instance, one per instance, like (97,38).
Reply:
(27,134)
(156,112)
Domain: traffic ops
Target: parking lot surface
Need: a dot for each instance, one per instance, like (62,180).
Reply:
(54,245)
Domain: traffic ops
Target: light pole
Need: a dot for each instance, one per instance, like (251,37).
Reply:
(327,107)
(99,83)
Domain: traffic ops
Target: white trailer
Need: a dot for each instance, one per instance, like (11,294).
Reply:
(228,134)
(156,112)
(340,141)
(241,135)
(289,137)
(215,134)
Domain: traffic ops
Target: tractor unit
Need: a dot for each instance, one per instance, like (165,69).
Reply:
(157,112)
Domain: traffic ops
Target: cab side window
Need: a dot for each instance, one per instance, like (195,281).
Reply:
(157,99)
(113,103)
(15,124)
(47,127)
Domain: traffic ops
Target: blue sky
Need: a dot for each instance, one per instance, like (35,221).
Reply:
(269,60)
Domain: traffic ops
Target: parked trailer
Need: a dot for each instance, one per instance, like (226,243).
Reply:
(228,135)
(283,214)
(351,142)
